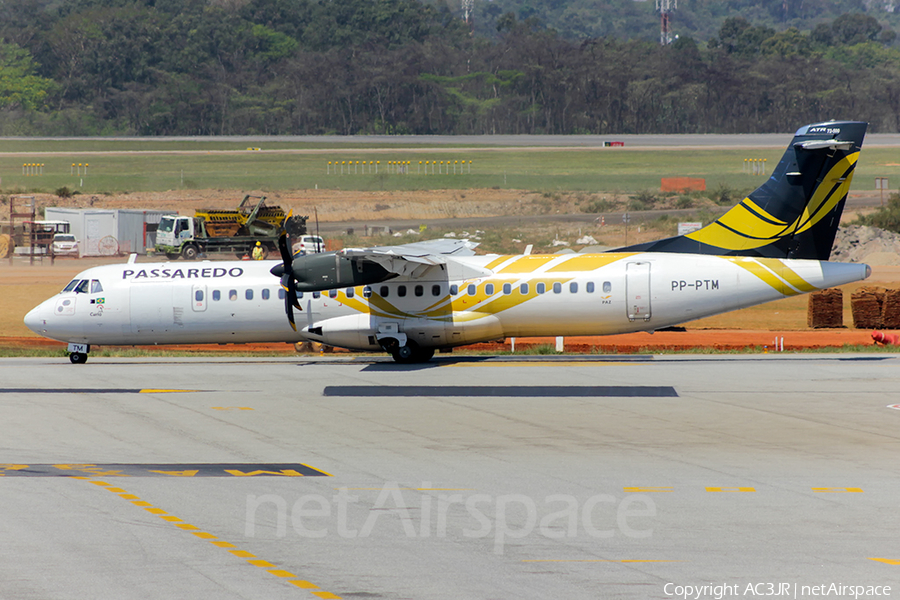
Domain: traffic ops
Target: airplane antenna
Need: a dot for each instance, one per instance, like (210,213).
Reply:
(665,8)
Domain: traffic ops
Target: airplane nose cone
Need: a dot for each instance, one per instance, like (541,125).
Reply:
(35,320)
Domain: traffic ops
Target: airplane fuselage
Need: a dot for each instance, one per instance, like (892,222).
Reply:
(523,295)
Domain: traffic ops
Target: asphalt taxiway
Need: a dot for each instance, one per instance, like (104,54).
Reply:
(571,477)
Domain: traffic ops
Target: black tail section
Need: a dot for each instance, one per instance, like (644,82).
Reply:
(796,212)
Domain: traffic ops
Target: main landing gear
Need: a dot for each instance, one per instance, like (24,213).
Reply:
(409,353)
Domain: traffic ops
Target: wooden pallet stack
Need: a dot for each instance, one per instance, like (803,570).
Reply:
(867,305)
(825,309)
(890,312)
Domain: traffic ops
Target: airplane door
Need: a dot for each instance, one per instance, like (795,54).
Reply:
(637,291)
(151,308)
(198,297)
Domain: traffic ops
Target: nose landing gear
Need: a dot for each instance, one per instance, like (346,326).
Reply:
(78,353)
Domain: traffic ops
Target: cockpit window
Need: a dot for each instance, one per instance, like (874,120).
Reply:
(71,285)
(95,286)
(82,287)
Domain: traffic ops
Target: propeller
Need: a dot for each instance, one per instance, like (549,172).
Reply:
(286,272)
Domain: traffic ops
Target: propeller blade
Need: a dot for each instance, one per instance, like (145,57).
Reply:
(286,272)
(285,250)
(290,290)
(289,293)
(290,316)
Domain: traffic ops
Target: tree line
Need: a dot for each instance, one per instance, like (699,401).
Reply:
(217,67)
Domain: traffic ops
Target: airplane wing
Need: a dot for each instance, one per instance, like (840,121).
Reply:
(412,260)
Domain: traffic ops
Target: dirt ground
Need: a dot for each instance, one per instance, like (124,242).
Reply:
(23,286)
(350,205)
(338,205)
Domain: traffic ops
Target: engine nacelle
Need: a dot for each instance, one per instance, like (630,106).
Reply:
(318,272)
(352,331)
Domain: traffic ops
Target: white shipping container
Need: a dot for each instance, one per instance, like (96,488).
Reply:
(105,232)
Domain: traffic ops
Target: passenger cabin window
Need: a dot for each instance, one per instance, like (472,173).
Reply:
(367,292)
(436,290)
(454,289)
(507,288)
(573,288)
(418,290)
(523,289)
(383,291)
(217,295)
(198,295)
(349,292)
(401,290)
(317,295)
(96,288)
(248,294)
(232,294)
(557,287)
(541,288)
(265,294)
(489,289)
(607,287)
(471,289)
(589,287)
(299,295)
(332,293)
(281,294)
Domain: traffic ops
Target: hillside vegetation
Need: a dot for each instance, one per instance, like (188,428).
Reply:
(212,67)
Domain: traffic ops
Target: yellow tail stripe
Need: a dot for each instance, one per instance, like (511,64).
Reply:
(741,229)
(773,271)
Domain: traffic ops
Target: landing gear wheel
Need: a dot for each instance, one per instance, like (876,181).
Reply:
(404,353)
(78,358)
(411,353)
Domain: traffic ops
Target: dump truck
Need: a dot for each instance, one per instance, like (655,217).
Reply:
(216,231)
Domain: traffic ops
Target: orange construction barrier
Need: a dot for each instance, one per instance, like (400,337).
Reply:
(682,184)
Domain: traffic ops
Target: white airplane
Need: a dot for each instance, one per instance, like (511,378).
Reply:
(412,299)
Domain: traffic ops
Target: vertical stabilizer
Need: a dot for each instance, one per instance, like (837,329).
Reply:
(796,212)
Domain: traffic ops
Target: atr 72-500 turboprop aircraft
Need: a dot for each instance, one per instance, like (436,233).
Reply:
(412,299)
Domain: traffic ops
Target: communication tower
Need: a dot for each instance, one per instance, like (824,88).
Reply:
(665,8)
(468,7)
